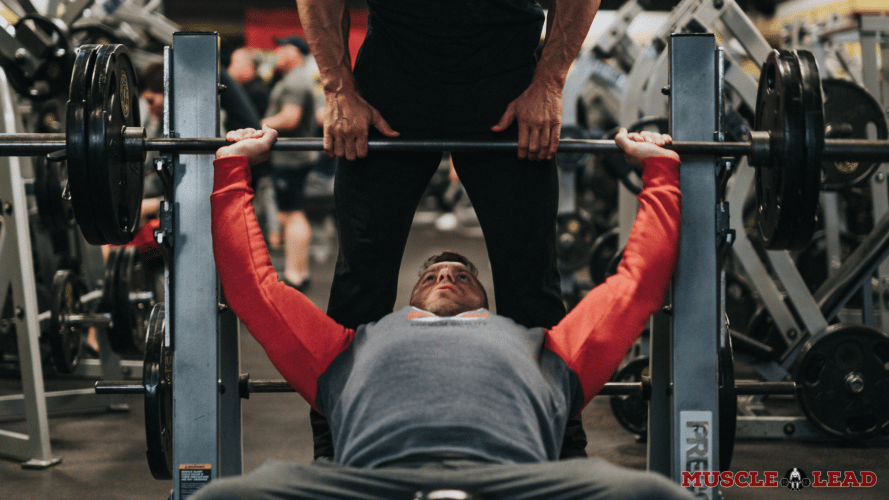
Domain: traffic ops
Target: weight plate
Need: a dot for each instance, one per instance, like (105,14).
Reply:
(849,111)
(601,254)
(76,146)
(618,165)
(728,402)
(631,411)
(50,178)
(157,377)
(128,333)
(808,182)
(782,206)
(842,378)
(740,302)
(65,338)
(574,160)
(575,236)
(50,78)
(117,184)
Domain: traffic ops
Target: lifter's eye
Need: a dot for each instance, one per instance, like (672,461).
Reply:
(429,278)
(464,277)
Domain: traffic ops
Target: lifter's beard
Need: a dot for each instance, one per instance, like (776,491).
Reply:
(448,309)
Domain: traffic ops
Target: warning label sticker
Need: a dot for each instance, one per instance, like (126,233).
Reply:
(192,477)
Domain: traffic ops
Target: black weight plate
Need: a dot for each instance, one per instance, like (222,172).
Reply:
(842,378)
(50,179)
(631,411)
(575,235)
(849,110)
(117,183)
(779,110)
(157,377)
(808,184)
(728,402)
(51,76)
(76,146)
(573,160)
(114,265)
(617,164)
(129,318)
(740,302)
(65,338)
(109,283)
(601,254)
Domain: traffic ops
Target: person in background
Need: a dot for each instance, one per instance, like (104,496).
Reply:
(291,111)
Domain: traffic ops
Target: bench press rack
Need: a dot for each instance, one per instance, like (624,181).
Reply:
(206,423)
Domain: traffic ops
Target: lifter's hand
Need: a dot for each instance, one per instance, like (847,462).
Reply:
(641,145)
(347,120)
(539,114)
(249,142)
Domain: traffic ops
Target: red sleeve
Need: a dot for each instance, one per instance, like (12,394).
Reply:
(300,340)
(595,336)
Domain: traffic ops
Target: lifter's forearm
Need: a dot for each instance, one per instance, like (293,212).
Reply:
(325,23)
(567,25)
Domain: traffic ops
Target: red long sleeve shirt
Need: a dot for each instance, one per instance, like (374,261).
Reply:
(414,384)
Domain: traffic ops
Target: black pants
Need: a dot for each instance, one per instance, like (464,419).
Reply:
(516,203)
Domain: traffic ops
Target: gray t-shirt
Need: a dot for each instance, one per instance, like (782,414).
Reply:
(295,88)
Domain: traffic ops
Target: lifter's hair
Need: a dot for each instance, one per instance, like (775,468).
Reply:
(448,256)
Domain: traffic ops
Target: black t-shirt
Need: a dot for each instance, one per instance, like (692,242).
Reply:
(437,68)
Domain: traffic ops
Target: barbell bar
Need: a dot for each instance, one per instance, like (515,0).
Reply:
(105,146)
(757,147)
(248,386)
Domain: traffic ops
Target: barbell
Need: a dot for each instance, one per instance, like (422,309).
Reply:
(105,146)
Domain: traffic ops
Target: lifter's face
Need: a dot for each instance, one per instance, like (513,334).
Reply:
(448,289)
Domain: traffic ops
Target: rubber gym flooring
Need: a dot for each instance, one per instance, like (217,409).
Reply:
(103,454)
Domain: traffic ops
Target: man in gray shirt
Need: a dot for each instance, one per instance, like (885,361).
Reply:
(291,111)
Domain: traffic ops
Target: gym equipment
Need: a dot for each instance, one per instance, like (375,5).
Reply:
(631,410)
(128,295)
(843,381)
(630,389)
(67,321)
(848,111)
(105,146)
(157,378)
(575,235)
(604,249)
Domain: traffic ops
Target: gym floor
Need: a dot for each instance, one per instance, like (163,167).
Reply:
(103,454)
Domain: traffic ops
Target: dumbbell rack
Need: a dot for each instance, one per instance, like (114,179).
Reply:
(35,403)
